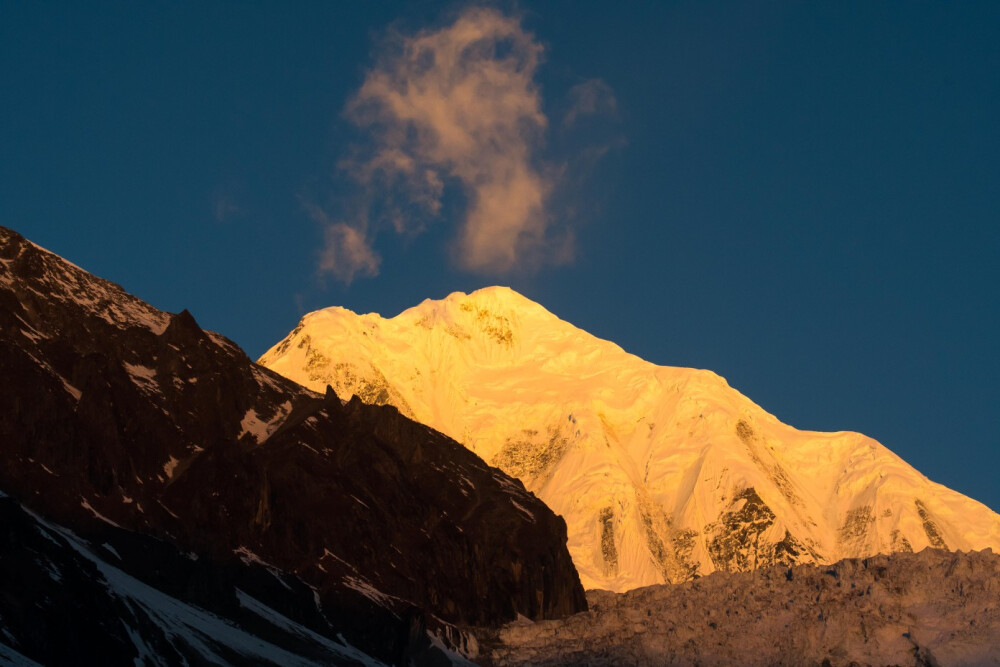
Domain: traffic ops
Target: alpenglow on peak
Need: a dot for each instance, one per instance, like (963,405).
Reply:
(661,473)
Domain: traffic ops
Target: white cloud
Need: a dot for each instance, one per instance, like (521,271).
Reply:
(226,202)
(455,132)
(593,97)
(453,107)
(347,254)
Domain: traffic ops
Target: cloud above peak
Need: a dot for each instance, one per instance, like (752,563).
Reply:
(454,130)
(592,97)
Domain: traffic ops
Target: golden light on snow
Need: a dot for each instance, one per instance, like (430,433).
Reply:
(661,473)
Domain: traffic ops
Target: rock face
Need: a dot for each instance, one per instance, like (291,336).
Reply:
(119,414)
(67,600)
(661,473)
(931,608)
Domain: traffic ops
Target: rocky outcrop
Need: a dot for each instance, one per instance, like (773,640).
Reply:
(121,414)
(930,608)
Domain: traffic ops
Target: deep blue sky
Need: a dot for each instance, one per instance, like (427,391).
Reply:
(802,197)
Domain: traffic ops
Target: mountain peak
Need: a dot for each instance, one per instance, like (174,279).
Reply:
(661,473)
(498,294)
(489,306)
(497,299)
(493,317)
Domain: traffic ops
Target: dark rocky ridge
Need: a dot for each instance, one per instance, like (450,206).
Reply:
(118,412)
(66,600)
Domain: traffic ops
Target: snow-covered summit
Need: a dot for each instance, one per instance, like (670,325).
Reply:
(499,297)
(661,473)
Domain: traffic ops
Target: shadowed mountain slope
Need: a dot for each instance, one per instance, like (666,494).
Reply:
(119,414)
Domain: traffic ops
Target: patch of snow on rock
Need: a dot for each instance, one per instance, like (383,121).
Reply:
(369,591)
(169,467)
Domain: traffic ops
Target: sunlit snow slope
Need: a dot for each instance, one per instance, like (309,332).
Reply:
(661,473)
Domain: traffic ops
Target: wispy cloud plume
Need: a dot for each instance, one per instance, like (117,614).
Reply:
(452,107)
(454,124)
(226,202)
(592,97)
(346,253)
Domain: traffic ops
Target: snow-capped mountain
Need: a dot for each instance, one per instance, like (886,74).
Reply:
(120,418)
(661,473)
